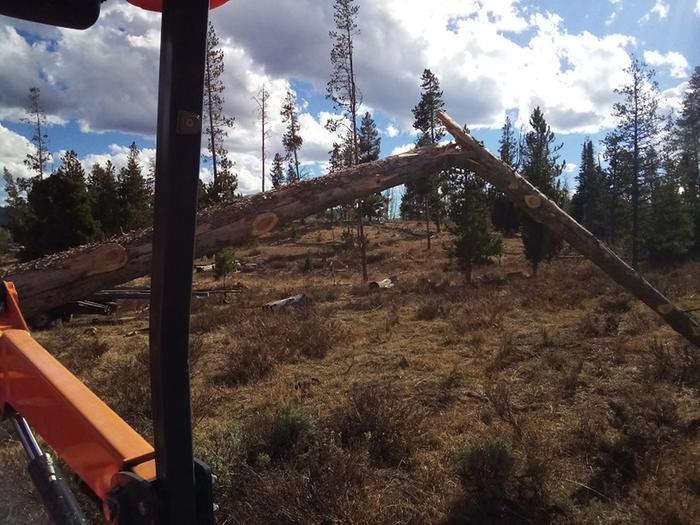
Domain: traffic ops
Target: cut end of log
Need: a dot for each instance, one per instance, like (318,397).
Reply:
(263,223)
(106,258)
(533,201)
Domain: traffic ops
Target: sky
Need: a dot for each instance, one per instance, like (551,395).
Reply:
(493,58)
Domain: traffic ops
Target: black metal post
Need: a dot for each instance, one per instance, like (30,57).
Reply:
(183,46)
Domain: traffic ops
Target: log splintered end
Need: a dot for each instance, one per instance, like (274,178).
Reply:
(107,258)
(263,223)
(533,201)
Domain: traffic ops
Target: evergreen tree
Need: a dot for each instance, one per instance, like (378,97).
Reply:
(425,191)
(342,86)
(474,239)
(373,206)
(37,160)
(71,167)
(102,188)
(506,217)
(291,140)
(369,142)
(617,184)
(540,167)
(224,189)
(292,174)
(277,171)
(215,120)
(687,135)
(589,204)
(133,196)
(638,130)
(16,191)
(343,91)
(670,232)
(60,214)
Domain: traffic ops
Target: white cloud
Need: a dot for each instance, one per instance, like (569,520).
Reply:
(697,8)
(660,9)
(570,167)
(13,150)
(675,61)
(402,149)
(106,77)
(117,154)
(391,131)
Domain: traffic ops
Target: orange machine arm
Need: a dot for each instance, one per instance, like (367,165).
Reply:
(90,437)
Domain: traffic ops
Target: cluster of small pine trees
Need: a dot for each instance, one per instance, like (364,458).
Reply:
(641,195)
(69,207)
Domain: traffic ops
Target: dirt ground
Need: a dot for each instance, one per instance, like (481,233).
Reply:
(559,399)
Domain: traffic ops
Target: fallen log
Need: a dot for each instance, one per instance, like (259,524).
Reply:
(295,301)
(543,210)
(72,275)
(389,282)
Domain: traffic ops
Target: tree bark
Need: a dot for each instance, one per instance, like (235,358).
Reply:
(54,280)
(541,209)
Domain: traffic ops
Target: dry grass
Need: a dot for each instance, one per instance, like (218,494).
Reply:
(558,399)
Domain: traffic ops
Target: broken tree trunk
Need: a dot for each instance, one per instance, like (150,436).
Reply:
(54,280)
(543,210)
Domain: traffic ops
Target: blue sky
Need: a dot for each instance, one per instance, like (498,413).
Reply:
(493,58)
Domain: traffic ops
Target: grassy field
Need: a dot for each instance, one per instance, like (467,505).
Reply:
(559,399)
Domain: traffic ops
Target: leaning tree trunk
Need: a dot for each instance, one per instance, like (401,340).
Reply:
(541,209)
(54,280)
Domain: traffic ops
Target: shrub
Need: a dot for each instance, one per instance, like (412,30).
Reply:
(276,436)
(680,364)
(224,263)
(375,417)
(429,310)
(501,487)
(278,337)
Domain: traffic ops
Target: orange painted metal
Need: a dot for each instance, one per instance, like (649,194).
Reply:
(89,436)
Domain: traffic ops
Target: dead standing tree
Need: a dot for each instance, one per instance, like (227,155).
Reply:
(537,206)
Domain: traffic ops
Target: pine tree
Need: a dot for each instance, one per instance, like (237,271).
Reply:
(261,100)
(38,160)
(292,174)
(215,120)
(506,217)
(369,142)
(102,188)
(133,195)
(540,167)
(277,171)
(670,232)
(60,214)
(71,167)
(291,140)
(589,205)
(373,206)
(638,130)
(16,191)
(687,134)
(474,239)
(342,86)
(431,131)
